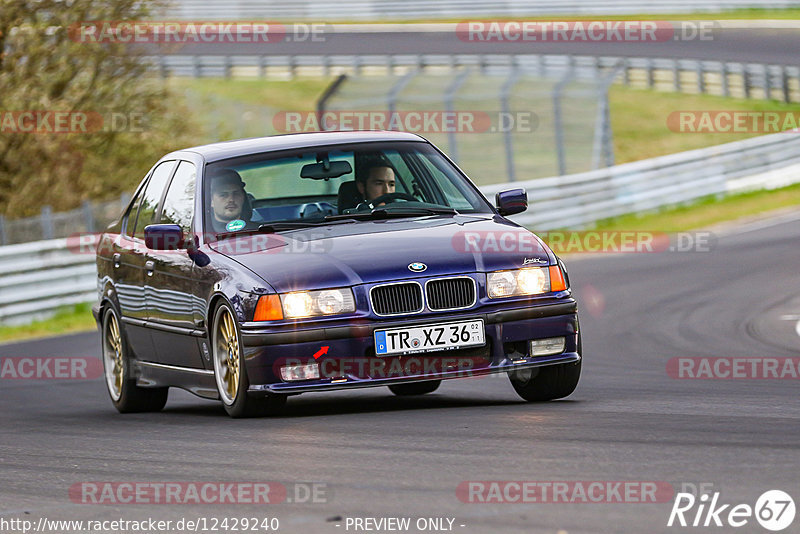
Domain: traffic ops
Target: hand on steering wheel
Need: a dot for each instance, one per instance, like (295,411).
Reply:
(388,198)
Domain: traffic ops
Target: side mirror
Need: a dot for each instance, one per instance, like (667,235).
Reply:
(511,201)
(163,236)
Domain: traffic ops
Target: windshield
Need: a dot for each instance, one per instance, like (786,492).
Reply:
(314,186)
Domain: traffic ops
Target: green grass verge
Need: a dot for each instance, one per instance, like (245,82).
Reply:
(706,212)
(67,320)
(639,121)
(298,94)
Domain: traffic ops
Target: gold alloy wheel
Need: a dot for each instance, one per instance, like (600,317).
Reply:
(226,356)
(112,357)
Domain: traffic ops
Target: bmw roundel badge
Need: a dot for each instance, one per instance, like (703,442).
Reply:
(417,266)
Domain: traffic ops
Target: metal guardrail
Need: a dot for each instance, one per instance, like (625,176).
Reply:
(37,277)
(578,200)
(730,79)
(382,9)
(90,217)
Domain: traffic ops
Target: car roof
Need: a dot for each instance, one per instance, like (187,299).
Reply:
(241,147)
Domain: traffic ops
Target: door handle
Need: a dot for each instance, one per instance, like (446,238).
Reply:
(116,257)
(149,266)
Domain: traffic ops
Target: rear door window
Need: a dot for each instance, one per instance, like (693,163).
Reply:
(179,202)
(151,198)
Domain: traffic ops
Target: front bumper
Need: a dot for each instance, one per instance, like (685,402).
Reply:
(507,333)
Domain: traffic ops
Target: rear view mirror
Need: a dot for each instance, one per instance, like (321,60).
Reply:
(325,170)
(511,201)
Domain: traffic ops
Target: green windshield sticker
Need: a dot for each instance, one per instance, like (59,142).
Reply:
(235,225)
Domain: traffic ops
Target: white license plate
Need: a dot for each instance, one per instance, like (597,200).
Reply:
(446,336)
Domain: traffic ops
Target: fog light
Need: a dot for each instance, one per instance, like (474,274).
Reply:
(545,347)
(308,371)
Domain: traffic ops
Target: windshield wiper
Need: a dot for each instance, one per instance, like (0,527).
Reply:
(383,213)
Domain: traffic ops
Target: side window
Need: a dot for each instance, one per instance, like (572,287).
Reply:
(179,202)
(152,196)
(130,218)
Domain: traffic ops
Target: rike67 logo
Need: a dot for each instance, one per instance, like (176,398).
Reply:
(774,510)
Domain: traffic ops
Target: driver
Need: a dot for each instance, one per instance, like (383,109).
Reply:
(227,200)
(379,181)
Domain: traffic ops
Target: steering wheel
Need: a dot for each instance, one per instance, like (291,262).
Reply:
(388,198)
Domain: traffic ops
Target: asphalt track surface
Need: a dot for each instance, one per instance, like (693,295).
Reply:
(380,455)
(758,45)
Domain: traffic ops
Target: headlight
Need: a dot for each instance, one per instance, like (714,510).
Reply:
(532,281)
(312,303)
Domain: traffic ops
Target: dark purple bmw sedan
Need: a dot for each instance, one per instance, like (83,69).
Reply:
(249,271)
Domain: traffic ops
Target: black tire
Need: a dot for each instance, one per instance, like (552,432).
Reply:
(125,395)
(415,388)
(232,384)
(547,383)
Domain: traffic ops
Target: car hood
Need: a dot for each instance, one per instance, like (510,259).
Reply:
(361,252)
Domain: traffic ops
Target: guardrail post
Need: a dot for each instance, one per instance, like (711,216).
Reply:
(787,96)
(3,239)
(227,66)
(651,79)
(746,80)
(88,216)
(701,80)
(262,66)
(767,83)
(46,221)
(626,67)
(197,68)
(726,89)
(676,76)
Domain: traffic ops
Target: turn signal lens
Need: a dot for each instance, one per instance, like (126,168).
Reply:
(557,282)
(268,309)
